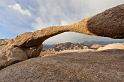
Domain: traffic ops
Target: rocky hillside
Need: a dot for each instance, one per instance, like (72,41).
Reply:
(67,46)
(3,41)
(73,46)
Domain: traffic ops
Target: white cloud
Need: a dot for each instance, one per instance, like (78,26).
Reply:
(97,6)
(64,22)
(41,24)
(54,12)
(17,7)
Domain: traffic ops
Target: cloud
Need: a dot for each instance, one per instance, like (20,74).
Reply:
(13,21)
(54,12)
(62,12)
(17,7)
(97,6)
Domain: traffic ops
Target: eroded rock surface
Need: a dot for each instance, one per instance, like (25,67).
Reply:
(109,23)
(96,46)
(32,39)
(105,66)
(3,42)
(10,54)
(112,46)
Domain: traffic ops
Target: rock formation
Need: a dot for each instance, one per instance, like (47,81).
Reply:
(109,23)
(105,66)
(3,42)
(96,46)
(31,39)
(10,55)
(112,46)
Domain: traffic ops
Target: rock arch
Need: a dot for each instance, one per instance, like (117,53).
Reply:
(109,23)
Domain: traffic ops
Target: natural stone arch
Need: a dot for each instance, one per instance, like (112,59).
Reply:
(109,23)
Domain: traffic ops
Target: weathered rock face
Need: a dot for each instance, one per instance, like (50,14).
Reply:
(3,42)
(109,24)
(10,54)
(105,66)
(32,39)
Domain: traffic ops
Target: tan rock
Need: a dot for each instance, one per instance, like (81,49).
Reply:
(32,39)
(10,55)
(1,46)
(105,66)
(96,46)
(3,42)
(112,46)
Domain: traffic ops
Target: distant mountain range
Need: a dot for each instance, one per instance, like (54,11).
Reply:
(86,43)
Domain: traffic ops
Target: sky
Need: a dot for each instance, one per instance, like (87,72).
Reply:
(19,16)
